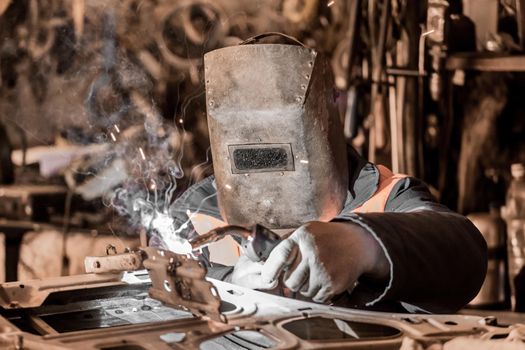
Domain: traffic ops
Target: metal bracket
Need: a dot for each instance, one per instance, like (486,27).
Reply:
(179,280)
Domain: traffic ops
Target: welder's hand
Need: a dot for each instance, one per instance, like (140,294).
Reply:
(332,257)
(247,273)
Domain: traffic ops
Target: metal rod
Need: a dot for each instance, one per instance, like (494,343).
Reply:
(219,233)
(392,109)
(403,72)
(353,28)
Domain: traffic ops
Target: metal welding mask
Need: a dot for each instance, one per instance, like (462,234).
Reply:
(279,153)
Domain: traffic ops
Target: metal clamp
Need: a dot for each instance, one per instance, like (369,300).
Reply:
(180,281)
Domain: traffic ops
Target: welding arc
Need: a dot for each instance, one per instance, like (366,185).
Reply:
(218,234)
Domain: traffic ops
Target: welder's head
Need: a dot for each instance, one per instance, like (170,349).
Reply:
(279,154)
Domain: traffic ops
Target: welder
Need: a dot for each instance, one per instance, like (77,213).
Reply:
(361,236)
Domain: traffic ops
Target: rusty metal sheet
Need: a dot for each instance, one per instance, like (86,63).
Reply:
(285,323)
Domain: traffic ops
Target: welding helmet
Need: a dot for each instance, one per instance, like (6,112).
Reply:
(279,154)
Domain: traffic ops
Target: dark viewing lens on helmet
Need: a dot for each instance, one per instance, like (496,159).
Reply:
(261,158)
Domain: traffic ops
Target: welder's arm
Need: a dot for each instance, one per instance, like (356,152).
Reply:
(437,258)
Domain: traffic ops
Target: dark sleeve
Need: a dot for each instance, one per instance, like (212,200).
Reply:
(437,257)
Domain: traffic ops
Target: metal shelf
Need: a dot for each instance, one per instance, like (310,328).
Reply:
(492,63)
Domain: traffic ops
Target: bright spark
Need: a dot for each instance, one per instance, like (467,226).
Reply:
(181,120)
(304,161)
(228,186)
(330,3)
(116,128)
(163,224)
(142,153)
(113,137)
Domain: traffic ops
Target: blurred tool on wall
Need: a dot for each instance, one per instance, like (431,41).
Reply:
(514,215)
(437,20)
(6,166)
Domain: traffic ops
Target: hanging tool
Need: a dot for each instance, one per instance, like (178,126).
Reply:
(377,109)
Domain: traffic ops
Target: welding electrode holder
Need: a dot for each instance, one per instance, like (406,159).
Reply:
(260,244)
(257,242)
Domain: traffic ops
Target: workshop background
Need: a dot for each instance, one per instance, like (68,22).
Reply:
(103,115)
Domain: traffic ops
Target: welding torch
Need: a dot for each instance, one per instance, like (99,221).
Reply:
(257,242)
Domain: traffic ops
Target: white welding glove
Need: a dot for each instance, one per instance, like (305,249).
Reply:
(247,273)
(332,257)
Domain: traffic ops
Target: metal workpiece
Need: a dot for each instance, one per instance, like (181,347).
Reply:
(33,293)
(276,139)
(124,317)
